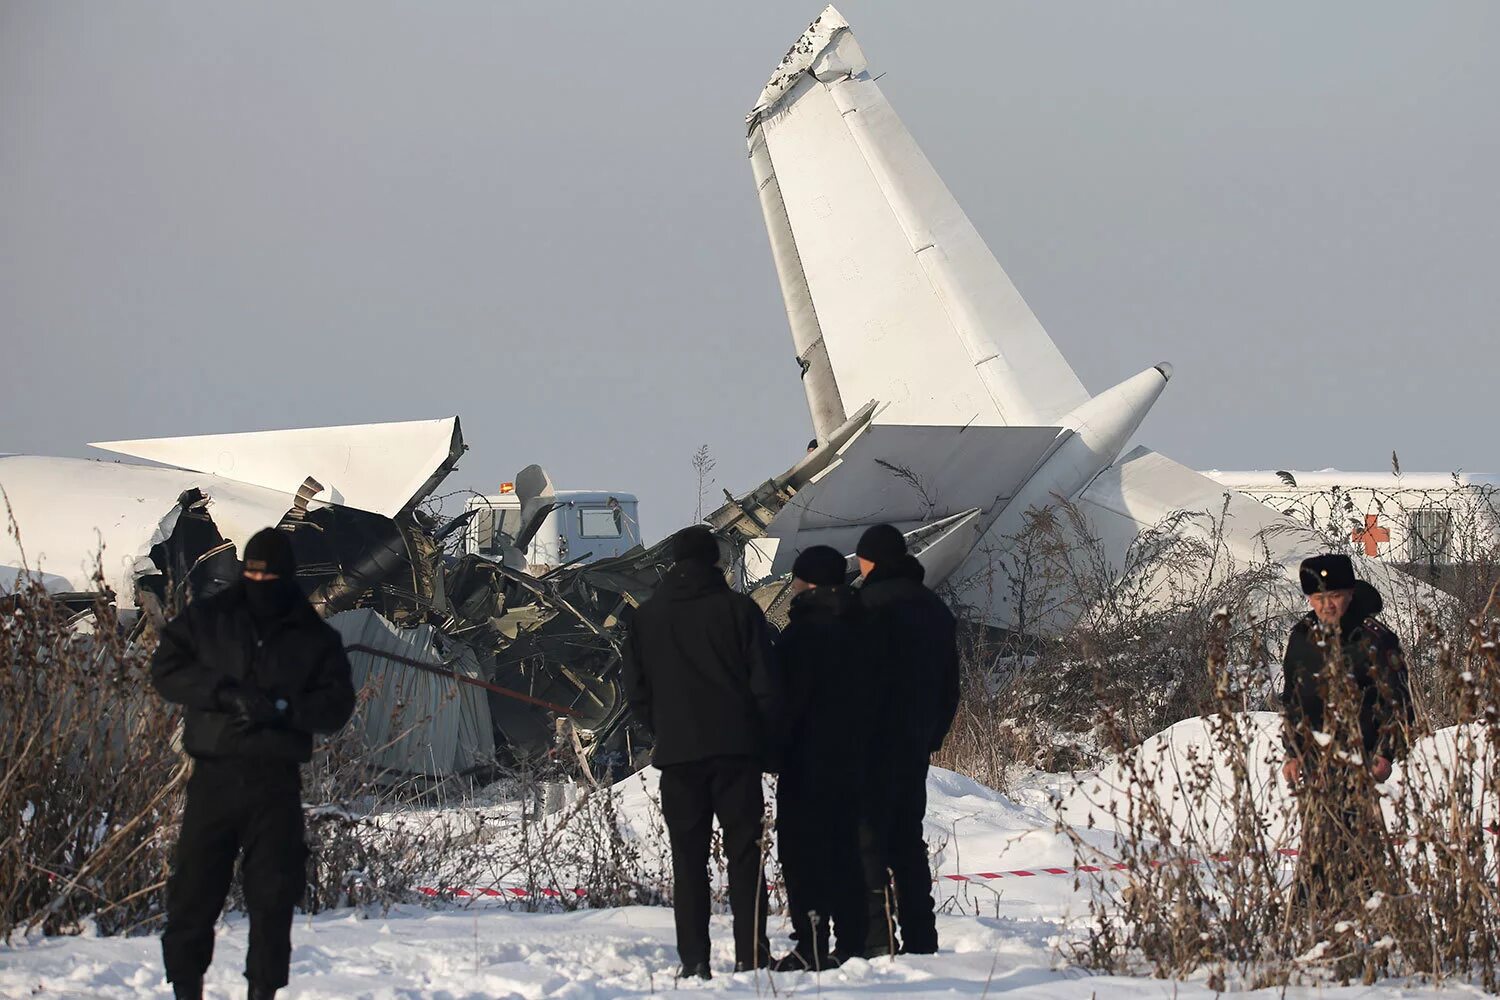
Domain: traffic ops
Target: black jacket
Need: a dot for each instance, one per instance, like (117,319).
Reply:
(827,662)
(699,672)
(215,643)
(1371,657)
(918,639)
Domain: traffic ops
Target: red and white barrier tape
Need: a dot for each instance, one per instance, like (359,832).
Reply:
(552,892)
(501,891)
(518,892)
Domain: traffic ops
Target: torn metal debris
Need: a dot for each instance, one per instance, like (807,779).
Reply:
(468,661)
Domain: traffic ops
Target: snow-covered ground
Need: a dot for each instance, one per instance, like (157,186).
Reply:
(589,955)
(1004,928)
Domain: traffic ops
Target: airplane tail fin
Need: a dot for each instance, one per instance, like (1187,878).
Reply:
(890,291)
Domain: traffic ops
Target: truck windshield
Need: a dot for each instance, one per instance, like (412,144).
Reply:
(599,522)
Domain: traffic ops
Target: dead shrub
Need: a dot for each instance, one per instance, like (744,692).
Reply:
(1392,881)
(90,784)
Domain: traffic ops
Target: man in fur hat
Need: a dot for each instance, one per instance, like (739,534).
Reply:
(1342,629)
(1348,709)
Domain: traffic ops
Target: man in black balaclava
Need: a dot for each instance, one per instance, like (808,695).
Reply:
(1344,680)
(257,672)
(916,687)
(699,674)
(825,658)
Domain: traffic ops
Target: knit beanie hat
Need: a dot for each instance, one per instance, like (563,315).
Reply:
(695,544)
(270,551)
(821,566)
(882,544)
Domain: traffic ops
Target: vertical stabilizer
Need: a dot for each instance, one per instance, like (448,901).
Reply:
(890,292)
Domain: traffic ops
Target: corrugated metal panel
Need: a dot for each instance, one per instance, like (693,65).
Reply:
(414,721)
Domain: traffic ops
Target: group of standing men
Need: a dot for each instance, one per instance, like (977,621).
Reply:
(845,706)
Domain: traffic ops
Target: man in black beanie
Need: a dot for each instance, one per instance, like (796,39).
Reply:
(699,674)
(257,672)
(916,689)
(825,658)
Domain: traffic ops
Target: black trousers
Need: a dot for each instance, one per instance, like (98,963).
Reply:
(818,843)
(692,795)
(246,809)
(898,880)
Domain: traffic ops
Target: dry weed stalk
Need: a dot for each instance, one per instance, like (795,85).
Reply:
(91,776)
(1397,880)
(89,779)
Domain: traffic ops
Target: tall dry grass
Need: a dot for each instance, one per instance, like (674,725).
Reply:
(1388,880)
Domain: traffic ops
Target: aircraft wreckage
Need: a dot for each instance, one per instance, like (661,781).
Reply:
(464,661)
(939,402)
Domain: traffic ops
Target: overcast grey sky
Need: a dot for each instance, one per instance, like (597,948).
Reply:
(219,217)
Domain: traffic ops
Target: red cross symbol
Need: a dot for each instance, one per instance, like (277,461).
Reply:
(1372,534)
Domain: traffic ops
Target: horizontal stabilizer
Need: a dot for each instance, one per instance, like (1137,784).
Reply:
(747,517)
(908,476)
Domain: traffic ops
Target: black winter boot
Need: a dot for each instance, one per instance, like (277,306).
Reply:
(699,971)
(187,989)
(796,961)
(259,992)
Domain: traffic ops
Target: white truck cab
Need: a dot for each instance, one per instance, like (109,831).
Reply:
(583,526)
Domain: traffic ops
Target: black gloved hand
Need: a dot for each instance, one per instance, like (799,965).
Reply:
(249,706)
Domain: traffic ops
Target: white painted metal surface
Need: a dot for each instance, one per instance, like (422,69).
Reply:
(74,515)
(80,518)
(381,468)
(892,296)
(584,526)
(879,265)
(907,476)
(942,546)
(1429,519)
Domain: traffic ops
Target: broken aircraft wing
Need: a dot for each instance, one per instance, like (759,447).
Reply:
(78,516)
(381,468)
